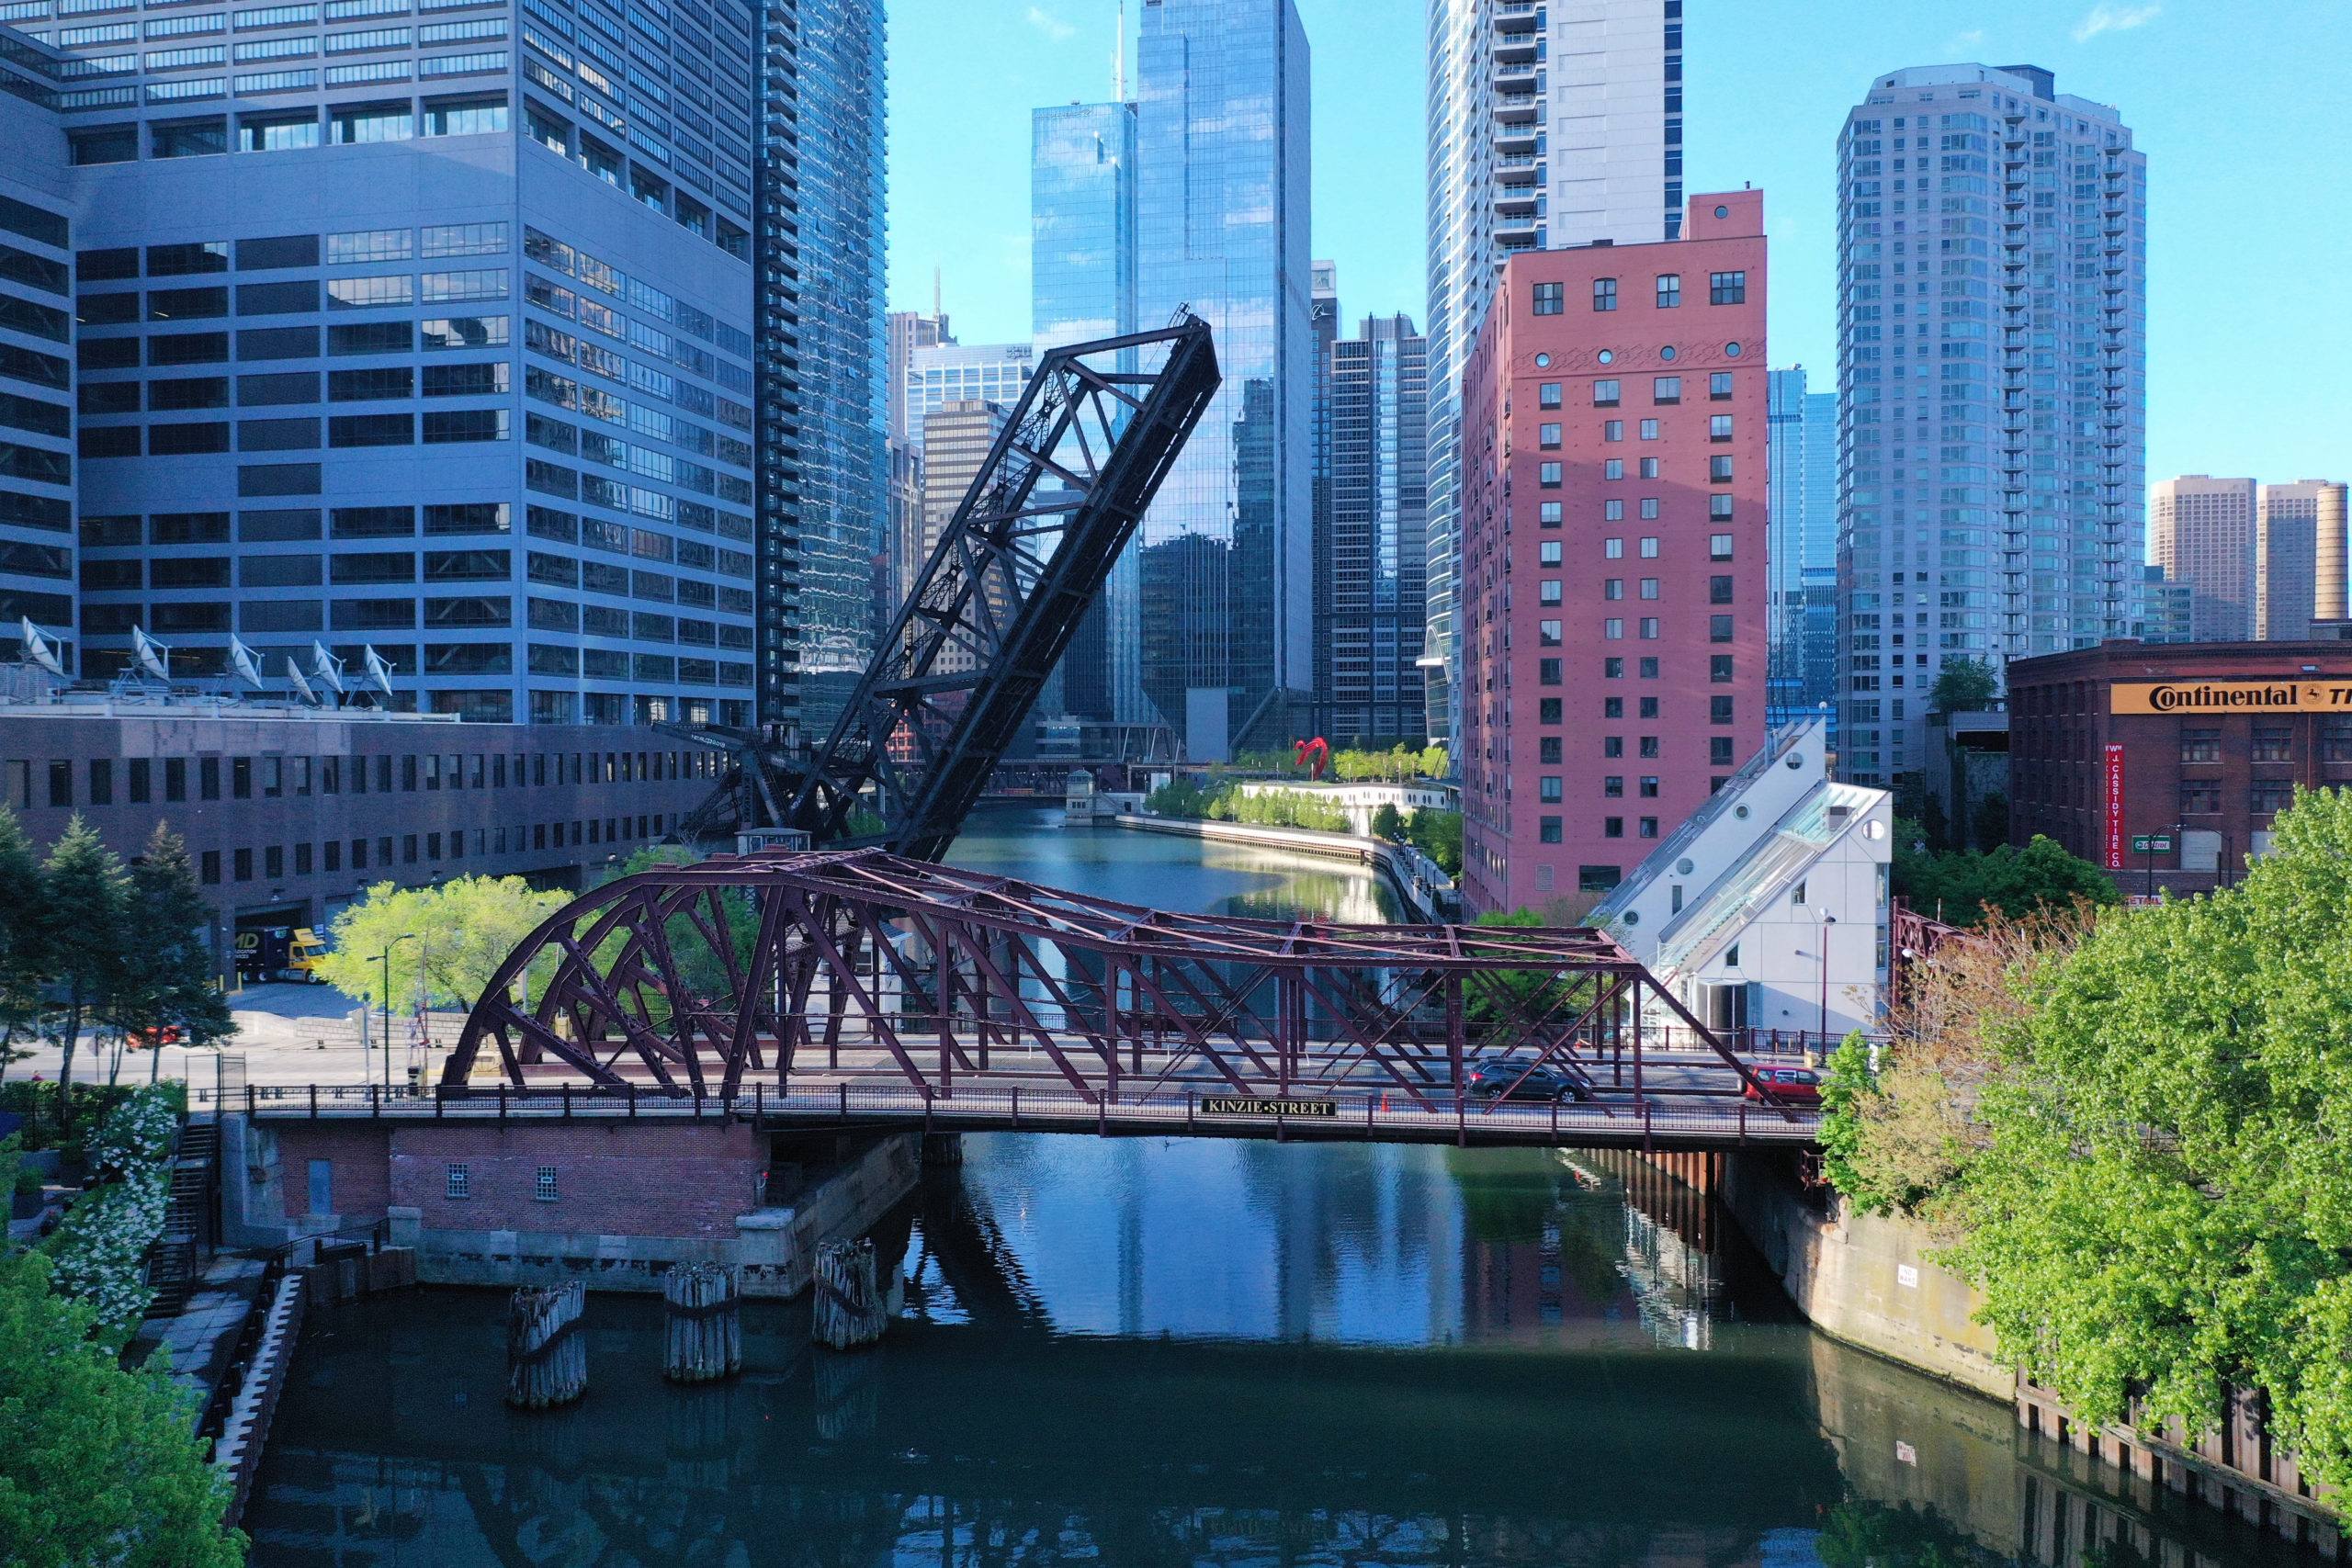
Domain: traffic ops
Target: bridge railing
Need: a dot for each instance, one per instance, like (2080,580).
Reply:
(1365,1116)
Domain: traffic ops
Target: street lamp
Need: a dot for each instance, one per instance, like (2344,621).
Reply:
(1828,920)
(388,1009)
(2149,844)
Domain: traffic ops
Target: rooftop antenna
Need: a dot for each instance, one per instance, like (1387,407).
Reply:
(152,656)
(325,668)
(378,671)
(934,291)
(240,658)
(1119,71)
(294,673)
(41,649)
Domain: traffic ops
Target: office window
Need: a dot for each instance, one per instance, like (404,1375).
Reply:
(139,778)
(1649,629)
(1649,707)
(1598,878)
(2335,740)
(1547,829)
(1669,290)
(1605,395)
(1649,827)
(240,778)
(1548,633)
(1727,288)
(2273,744)
(1547,435)
(1719,629)
(1719,750)
(1719,385)
(1719,590)
(1719,710)
(1649,669)
(301,860)
(1548,589)
(1649,746)
(244,866)
(1613,707)
(1719,429)
(102,781)
(1614,629)
(211,863)
(1548,475)
(1613,549)
(1719,546)
(1665,389)
(1613,429)
(1604,293)
(1719,667)
(1548,553)
(2200,797)
(1547,750)
(1548,299)
(1547,395)
(2272,794)
(2200,745)
(273,862)
(1548,514)
(1649,786)
(1613,786)
(1613,745)
(1547,672)
(331,854)
(1612,826)
(1612,511)
(1548,710)
(1649,467)
(1649,429)
(1548,788)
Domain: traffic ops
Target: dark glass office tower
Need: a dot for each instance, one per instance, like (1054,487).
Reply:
(1222,190)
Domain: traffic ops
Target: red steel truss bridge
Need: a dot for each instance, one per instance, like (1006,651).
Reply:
(855,985)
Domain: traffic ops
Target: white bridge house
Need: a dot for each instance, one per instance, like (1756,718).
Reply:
(1767,908)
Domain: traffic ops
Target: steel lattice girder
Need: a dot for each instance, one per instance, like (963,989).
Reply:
(1002,594)
(684,979)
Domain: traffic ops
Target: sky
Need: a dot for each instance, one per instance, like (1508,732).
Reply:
(2241,108)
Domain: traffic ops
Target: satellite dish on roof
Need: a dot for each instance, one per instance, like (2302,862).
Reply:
(325,668)
(241,660)
(40,649)
(294,673)
(378,670)
(153,656)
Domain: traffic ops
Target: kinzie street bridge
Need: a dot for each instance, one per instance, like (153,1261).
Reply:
(855,986)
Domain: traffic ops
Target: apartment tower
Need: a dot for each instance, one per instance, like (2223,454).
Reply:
(1550,125)
(2201,531)
(1992,363)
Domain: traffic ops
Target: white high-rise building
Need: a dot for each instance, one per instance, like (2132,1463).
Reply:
(2201,531)
(1993,368)
(1550,125)
(2299,550)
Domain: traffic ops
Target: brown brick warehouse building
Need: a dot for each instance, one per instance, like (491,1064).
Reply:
(2203,742)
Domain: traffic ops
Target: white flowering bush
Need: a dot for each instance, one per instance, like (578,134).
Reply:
(97,1252)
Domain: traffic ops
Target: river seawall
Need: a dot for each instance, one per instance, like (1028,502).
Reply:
(1428,895)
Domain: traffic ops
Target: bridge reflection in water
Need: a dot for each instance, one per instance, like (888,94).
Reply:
(1358,1354)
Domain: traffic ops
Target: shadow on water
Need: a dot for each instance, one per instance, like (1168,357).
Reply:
(1160,1352)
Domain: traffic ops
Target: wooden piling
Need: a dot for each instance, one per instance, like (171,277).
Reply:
(704,1328)
(850,1308)
(547,1359)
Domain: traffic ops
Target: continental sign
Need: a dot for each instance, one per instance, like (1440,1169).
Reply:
(1236,1105)
(2232,696)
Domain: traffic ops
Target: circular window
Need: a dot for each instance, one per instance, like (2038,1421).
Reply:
(1740,812)
(1666,352)
(1608,357)
(1683,865)
(1873,829)
(1632,917)
(1731,350)
(1722,211)
(1542,360)
(1795,761)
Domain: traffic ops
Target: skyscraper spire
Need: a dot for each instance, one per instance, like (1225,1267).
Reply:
(1119,70)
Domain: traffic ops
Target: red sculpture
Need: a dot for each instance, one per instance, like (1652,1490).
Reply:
(1314,755)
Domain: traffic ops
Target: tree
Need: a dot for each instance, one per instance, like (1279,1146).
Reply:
(2160,1206)
(23,939)
(166,971)
(97,1465)
(84,935)
(463,931)
(1965,885)
(1989,821)
(1388,823)
(1964,686)
(1437,834)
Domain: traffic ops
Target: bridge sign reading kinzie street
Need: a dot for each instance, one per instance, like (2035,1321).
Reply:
(1239,1105)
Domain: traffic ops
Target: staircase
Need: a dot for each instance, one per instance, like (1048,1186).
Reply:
(174,1264)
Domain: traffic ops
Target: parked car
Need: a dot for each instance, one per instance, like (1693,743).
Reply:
(1490,1079)
(150,1039)
(1787,1082)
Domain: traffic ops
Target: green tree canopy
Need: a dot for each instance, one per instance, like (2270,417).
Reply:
(2159,1200)
(462,931)
(82,937)
(1966,883)
(97,1465)
(24,938)
(165,978)
(1963,685)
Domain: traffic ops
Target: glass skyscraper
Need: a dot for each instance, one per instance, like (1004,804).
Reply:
(1083,285)
(1803,430)
(1993,366)
(824,417)
(1223,163)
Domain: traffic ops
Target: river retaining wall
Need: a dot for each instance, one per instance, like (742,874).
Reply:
(1428,893)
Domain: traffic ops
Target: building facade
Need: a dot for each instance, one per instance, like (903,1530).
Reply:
(2203,744)
(2295,528)
(825,468)
(2201,531)
(288,815)
(1614,539)
(1223,172)
(2167,609)
(1992,365)
(957,437)
(1548,125)
(1082,287)
(1372,570)
(1803,536)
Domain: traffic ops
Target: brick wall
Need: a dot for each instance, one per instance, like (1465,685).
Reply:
(361,1185)
(612,1179)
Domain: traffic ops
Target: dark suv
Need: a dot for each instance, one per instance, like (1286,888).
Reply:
(1490,1079)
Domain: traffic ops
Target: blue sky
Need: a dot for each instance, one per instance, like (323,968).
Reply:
(2241,108)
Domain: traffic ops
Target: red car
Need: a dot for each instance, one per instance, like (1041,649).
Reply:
(1786,1083)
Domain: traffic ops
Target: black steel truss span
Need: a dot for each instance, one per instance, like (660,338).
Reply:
(856,964)
(1026,552)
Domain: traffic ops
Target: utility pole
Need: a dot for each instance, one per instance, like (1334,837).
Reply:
(388,1009)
